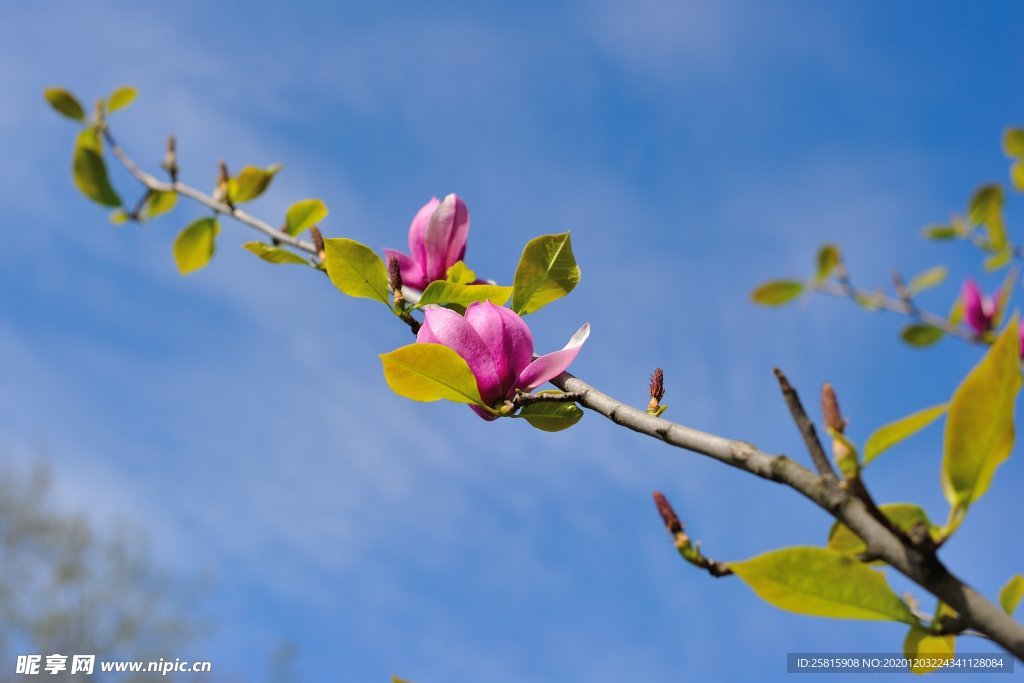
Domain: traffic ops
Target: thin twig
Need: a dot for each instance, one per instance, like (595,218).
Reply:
(522,399)
(206,200)
(883,302)
(806,427)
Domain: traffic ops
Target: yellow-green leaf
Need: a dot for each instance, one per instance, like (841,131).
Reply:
(930,278)
(195,245)
(822,582)
(251,183)
(903,515)
(272,254)
(303,215)
(430,372)
(939,232)
(921,335)
(122,97)
(998,260)
(356,270)
(1010,595)
(1013,142)
(547,271)
(986,208)
(65,103)
(923,649)
(460,274)
(90,171)
(1017,175)
(442,292)
(979,429)
(551,417)
(828,258)
(777,292)
(956,311)
(119,217)
(891,434)
(158,203)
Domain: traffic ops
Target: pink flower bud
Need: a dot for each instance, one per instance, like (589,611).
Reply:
(437,241)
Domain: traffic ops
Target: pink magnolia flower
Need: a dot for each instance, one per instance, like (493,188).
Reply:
(437,241)
(498,347)
(979,309)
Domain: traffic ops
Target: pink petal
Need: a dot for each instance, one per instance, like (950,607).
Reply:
(459,233)
(974,307)
(483,413)
(443,326)
(507,337)
(412,274)
(418,232)
(552,364)
(438,236)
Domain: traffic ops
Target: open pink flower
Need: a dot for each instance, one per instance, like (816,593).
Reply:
(498,347)
(437,241)
(979,309)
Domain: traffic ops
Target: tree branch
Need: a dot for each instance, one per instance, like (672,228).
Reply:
(924,569)
(845,290)
(206,200)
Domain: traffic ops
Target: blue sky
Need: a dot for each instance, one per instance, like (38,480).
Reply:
(694,149)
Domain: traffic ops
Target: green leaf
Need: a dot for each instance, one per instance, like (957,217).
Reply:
(90,171)
(923,648)
(930,278)
(122,97)
(356,270)
(777,292)
(460,274)
(65,103)
(956,311)
(303,215)
(441,292)
(194,246)
(158,203)
(1017,175)
(939,232)
(1010,595)
(903,515)
(119,217)
(998,260)
(547,271)
(251,183)
(887,436)
(822,582)
(986,208)
(921,335)
(430,372)
(828,259)
(551,417)
(979,429)
(1013,142)
(272,254)
(1005,295)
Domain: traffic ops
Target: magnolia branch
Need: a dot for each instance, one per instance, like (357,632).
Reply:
(921,566)
(154,185)
(924,569)
(902,306)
